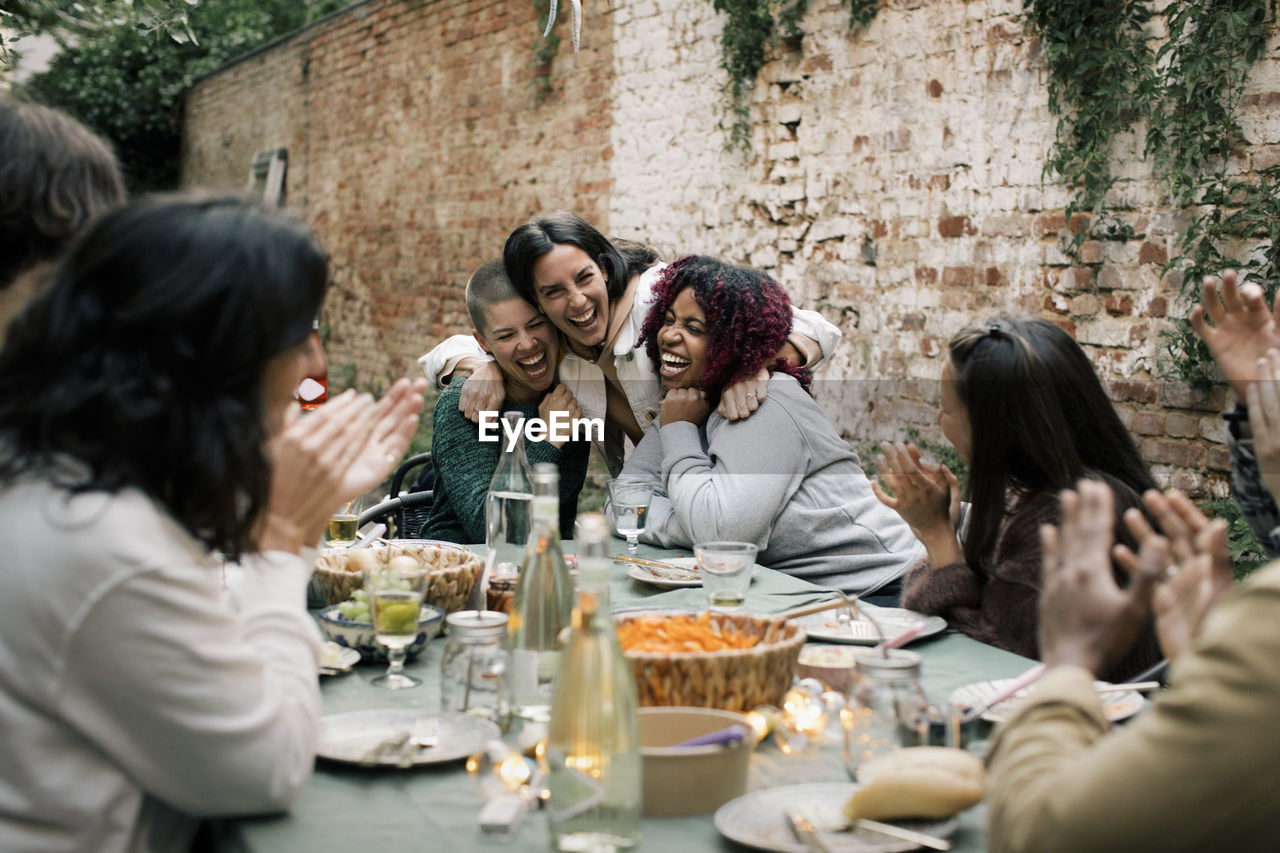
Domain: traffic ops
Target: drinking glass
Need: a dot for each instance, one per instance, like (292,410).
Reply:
(343,524)
(726,572)
(630,501)
(395,601)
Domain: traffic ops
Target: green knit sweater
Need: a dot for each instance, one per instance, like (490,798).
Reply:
(464,467)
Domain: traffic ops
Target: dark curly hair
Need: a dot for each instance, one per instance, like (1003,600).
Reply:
(144,359)
(748,319)
(617,259)
(55,176)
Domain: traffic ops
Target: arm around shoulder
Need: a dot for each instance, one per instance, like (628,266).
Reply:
(439,364)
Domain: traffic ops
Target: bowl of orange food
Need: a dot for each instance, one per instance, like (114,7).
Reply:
(731,661)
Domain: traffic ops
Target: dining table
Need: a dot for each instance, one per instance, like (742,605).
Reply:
(435,806)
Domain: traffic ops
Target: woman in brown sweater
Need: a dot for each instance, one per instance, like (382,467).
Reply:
(1023,407)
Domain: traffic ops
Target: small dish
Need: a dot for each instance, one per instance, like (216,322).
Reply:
(1117,706)
(826,627)
(349,737)
(759,819)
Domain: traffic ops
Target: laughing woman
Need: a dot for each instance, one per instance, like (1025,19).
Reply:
(783,478)
(526,348)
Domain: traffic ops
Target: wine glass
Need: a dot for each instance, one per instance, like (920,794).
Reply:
(630,501)
(395,601)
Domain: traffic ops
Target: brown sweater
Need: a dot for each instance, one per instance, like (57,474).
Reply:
(999,605)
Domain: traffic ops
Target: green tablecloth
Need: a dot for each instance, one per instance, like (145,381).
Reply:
(435,807)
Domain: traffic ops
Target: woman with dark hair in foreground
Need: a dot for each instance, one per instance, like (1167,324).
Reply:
(1023,407)
(783,478)
(147,431)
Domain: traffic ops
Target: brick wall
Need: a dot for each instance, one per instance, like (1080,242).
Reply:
(894,183)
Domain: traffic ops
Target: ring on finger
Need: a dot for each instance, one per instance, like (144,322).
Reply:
(1172,572)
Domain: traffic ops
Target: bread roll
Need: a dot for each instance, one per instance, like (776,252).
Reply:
(924,782)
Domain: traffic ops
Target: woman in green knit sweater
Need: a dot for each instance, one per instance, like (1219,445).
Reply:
(527,349)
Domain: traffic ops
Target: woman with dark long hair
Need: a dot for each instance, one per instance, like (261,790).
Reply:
(1023,407)
(783,478)
(597,292)
(148,434)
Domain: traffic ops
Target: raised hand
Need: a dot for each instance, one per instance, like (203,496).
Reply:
(1086,619)
(482,392)
(1243,328)
(739,400)
(926,495)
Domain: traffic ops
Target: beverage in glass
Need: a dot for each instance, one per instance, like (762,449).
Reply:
(342,528)
(629,501)
(726,569)
(395,594)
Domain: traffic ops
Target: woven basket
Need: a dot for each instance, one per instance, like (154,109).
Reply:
(454,571)
(733,679)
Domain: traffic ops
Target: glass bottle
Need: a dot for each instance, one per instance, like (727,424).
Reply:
(593,743)
(887,709)
(314,389)
(509,505)
(541,604)
(475,666)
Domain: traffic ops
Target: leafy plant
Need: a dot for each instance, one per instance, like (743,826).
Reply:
(544,52)
(1247,555)
(752,29)
(126,84)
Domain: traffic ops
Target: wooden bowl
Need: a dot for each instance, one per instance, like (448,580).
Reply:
(454,571)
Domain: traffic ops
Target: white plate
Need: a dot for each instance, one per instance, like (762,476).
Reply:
(336,659)
(893,621)
(1117,706)
(655,576)
(759,820)
(348,737)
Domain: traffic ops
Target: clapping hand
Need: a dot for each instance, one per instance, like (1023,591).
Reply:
(1086,619)
(1195,570)
(926,494)
(1243,328)
(331,456)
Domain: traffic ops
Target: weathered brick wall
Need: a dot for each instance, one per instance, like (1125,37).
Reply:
(417,141)
(894,183)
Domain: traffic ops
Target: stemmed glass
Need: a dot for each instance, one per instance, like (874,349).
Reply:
(395,600)
(630,501)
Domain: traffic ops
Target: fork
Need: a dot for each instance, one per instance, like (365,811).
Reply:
(804,831)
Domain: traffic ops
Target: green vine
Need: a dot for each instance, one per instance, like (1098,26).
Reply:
(1100,81)
(544,53)
(1103,77)
(752,29)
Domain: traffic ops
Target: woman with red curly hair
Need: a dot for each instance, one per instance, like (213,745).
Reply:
(783,479)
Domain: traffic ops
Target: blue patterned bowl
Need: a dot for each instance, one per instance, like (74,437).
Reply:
(359,635)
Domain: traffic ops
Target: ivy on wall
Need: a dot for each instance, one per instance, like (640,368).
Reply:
(1104,78)
(751,30)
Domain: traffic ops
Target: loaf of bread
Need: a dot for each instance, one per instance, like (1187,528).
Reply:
(923,782)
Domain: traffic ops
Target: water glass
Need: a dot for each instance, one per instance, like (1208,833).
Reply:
(395,600)
(726,572)
(630,501)
(344,523)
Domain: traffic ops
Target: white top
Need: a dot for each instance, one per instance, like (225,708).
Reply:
(135,697)
(636,373)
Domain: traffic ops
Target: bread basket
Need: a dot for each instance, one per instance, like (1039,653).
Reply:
(454,571)
(730,679)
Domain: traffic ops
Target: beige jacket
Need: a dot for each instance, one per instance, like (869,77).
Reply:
(1199,770)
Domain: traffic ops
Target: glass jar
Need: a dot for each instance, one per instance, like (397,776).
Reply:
(887,708)
(476,665)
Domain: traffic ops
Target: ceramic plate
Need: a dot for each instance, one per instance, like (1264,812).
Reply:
(1117,706)
(349,736)
(335,659)
(759,820)
(655,576)
(862,631)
